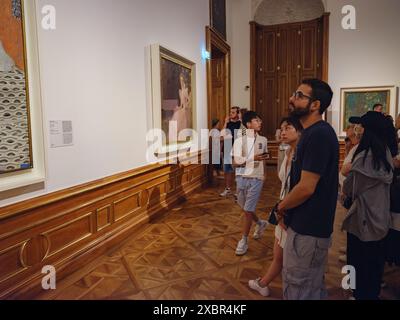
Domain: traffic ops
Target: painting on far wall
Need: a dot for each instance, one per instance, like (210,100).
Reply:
(15,142)
(173,90)
(218,16)
(176,94)
(358,101)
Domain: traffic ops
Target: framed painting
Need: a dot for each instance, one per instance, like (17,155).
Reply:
(218,17)
(15,133)
(173,97)
(358,101)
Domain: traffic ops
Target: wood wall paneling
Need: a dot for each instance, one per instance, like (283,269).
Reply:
(70,228)
(104,217)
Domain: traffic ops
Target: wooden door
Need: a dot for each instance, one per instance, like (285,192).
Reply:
(218,97)
(284,55)
(309,50)
(218,77)
(267,95)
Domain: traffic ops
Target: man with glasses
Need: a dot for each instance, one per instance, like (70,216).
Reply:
(311,204)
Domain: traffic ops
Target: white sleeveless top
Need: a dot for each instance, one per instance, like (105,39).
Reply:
(284,175)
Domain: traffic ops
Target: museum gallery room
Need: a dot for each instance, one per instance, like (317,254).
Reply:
(121,124)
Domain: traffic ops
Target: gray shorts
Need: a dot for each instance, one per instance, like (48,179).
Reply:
(304,262)
(248,192)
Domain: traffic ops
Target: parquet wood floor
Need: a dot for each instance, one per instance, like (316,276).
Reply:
(190,254)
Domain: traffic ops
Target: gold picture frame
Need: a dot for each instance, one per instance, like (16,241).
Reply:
(173,90)
(356,101)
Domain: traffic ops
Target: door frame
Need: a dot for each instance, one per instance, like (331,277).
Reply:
(214,39)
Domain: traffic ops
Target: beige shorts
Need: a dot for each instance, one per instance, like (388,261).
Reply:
(280,235)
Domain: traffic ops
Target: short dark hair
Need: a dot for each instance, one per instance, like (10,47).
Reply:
(236,108)
(214,122)
(377,105)
(294,122)
(321,91)
(248,117)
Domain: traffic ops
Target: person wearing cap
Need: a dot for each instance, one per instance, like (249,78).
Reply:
(308,210)
(368,219)
(354,134)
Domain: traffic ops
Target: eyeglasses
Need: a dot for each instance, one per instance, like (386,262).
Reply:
(300,95)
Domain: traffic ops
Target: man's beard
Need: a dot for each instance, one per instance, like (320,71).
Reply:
(299,112)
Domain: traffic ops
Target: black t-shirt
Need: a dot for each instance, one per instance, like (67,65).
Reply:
(317,152)
(233,127)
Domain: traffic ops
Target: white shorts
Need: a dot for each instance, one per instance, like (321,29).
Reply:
(280,235)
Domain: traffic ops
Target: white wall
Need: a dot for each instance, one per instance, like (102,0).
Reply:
(93,72)
(367,56)
(238,30)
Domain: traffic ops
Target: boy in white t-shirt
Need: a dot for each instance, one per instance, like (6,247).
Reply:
(249,153)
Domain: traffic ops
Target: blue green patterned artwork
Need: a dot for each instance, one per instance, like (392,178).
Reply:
(357,103)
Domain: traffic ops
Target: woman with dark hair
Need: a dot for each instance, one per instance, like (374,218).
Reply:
(391,136)
(290,134)
(397,125)
(368,220)
(392,242)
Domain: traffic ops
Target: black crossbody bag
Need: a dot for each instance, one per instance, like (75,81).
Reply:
(273,218)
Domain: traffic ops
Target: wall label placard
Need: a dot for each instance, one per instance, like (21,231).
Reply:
(61,134)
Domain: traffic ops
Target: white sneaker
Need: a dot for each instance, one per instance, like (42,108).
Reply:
(241,248)
(255,285)
(259,231)
(226,193)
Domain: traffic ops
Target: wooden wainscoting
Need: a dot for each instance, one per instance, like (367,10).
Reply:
(67,229)
(273,148)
